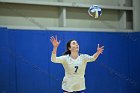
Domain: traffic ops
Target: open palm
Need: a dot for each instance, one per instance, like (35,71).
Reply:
(54,41)
(100,49)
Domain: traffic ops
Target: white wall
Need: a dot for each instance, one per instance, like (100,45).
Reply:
(98,2)
(48,16)
(136,4)
(28,15)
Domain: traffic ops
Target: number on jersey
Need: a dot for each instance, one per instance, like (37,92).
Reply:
(76,68)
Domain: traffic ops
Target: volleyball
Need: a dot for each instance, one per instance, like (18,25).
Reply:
(95,11)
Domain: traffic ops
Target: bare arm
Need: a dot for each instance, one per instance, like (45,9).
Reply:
(92,58)
(99,51)
(55,44)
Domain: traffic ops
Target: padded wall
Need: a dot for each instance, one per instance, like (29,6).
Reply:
(25,65)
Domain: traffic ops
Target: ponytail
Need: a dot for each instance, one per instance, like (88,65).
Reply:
(67,52)
(67,47)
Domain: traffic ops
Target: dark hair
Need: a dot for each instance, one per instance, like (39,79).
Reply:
(67,47)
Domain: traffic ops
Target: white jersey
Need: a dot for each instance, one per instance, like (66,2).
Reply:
(74,71)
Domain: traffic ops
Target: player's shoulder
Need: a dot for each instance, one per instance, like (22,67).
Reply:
(65,55)
(83,55)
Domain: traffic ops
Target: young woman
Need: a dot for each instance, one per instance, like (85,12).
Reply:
(74,65)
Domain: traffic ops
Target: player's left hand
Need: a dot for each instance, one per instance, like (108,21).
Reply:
(100,49)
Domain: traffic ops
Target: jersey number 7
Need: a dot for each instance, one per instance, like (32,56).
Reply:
(76,68)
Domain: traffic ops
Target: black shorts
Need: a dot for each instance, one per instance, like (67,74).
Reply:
(82,91)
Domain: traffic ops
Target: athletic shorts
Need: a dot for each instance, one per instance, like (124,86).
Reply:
(82,91)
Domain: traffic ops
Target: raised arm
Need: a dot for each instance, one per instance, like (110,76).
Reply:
(99,51)
(92,58)
(55,44)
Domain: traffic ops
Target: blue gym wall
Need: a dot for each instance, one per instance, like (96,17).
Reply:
(25,65)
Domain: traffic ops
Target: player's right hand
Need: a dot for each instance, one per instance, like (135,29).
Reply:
(54,41)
